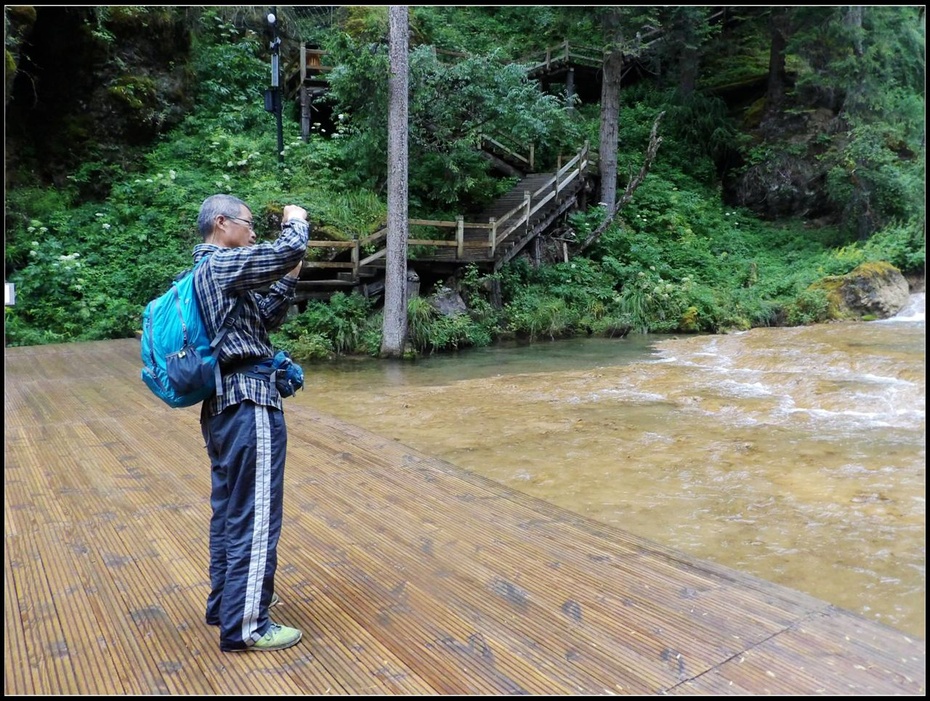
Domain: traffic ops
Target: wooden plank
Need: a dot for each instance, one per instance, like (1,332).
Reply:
(316,243)
(16,677)
(46,661)
(178,564)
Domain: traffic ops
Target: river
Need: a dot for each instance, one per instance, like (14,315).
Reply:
(795,454)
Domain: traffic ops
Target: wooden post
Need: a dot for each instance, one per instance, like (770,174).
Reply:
(304,97)
(570,88)
(355,257)
(527,197)
(460,236)
(492,235)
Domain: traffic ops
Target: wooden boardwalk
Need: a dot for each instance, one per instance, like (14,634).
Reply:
(408,575)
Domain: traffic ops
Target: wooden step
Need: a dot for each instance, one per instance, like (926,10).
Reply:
(303,285)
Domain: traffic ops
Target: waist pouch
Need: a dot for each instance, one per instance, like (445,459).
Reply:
(286,375)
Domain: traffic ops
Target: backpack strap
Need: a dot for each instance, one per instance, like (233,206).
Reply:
(220,337)
(217,343)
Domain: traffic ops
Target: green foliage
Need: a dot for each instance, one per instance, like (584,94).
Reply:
(451,106)
(475,289)
(872,184)
(902,245)
(809,307)
(428,331)
(677,259)
(697,131)
(509,29)
(536,317)
(337,326)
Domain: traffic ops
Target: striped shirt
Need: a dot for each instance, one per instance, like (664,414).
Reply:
(234,272)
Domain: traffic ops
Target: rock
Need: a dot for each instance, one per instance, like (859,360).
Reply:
(876,290)
(447,302)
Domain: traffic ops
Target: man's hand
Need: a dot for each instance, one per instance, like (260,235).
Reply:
(293,211)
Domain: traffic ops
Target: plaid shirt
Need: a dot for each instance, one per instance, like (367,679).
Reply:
(234,272)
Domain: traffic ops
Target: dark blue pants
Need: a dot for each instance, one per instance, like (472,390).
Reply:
(247,444)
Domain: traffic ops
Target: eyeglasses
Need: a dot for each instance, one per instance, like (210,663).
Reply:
(247,222)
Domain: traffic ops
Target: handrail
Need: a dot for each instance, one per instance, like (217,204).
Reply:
(499,229)
(562,178)
(564,52)
(528,160)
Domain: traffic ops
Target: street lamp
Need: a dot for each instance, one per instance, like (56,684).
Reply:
(273,96)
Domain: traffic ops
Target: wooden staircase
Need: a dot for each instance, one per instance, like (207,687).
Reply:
(489,239)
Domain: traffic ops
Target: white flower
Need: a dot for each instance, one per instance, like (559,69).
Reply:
(106,226)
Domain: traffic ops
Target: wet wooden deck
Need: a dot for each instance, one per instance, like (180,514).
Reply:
(408,575)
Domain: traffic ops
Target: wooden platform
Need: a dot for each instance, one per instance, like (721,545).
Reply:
(408,575)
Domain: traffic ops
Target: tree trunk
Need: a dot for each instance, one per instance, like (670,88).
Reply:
(778,34)
(635,182)
(610,118)
(689,63)
(394,329)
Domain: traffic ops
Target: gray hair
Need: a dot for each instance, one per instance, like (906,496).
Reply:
(215,206)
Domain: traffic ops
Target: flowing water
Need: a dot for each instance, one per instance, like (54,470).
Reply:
(794,454)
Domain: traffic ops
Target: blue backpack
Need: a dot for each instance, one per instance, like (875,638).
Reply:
(179,361)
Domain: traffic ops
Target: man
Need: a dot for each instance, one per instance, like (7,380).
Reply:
(243,426)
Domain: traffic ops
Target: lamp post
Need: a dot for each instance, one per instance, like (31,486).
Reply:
(275,92)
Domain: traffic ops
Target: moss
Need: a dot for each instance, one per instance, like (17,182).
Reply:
(21,14)
(135,17)
(833,286)
(875,269)
(138,92)
(689,320)
(754,113)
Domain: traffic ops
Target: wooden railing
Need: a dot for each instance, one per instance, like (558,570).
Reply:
(513,152)
(499,229)
(535,201)
(566,53)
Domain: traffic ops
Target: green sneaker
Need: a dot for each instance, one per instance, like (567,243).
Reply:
(276,638)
